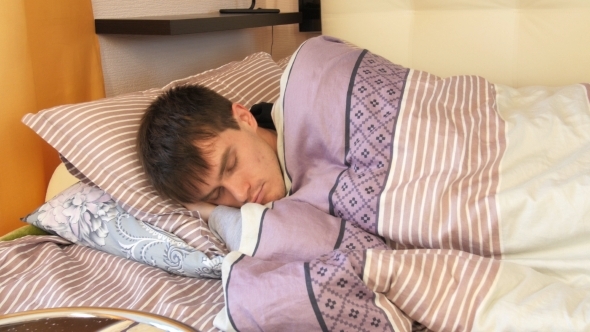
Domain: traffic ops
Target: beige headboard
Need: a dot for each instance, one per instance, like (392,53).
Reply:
(513,42)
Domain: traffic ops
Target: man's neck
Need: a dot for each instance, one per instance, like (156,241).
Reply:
(269,136)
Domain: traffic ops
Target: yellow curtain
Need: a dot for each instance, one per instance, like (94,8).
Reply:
(49,55)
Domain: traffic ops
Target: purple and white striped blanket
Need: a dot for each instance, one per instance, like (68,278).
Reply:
(415,201)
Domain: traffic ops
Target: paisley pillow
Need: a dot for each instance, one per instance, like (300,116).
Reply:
(88,216)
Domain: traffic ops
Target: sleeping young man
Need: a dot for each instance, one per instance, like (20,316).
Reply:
(203,151)
(386,196)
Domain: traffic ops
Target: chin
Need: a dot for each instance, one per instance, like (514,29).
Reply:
(276,196)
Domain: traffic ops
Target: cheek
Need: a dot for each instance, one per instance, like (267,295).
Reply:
(258,162)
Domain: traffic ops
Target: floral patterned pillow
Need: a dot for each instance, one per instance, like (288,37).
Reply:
(88,216)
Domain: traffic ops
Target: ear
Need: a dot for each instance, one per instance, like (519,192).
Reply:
(243,116)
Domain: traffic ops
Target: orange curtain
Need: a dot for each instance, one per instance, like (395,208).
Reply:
(49,55)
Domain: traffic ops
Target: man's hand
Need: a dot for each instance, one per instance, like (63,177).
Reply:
(204,209)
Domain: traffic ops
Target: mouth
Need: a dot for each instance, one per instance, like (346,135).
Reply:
(259,195)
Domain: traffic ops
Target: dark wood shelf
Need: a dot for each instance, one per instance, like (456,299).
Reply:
(185,24)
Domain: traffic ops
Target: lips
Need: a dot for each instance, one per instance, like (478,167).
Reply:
(259,195)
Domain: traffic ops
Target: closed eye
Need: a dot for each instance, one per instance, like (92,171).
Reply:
(214,195)
(232,166)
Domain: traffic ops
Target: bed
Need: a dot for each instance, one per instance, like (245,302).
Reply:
(134,250)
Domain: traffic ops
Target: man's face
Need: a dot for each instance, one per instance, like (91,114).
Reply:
(244,165)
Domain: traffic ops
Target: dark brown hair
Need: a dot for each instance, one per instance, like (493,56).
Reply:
(169,136)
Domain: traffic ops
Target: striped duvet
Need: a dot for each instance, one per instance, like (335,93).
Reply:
(417,202)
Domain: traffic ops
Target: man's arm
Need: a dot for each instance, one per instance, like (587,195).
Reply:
(225,222)
(203,208)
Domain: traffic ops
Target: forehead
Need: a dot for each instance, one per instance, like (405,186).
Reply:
(209,149)
(213,149)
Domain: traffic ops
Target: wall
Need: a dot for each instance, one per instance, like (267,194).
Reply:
(132,63)
(517,43)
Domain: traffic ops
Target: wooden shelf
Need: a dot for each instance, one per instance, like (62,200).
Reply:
(196,23)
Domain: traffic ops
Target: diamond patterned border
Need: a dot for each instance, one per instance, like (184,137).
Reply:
(374,105)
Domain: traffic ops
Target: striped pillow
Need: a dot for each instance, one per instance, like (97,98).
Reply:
(282,63)
(96,141)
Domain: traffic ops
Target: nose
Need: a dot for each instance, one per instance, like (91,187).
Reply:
(239,188)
